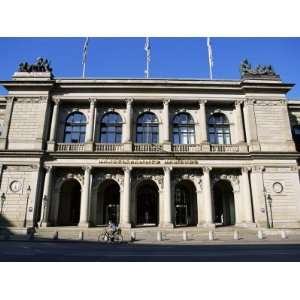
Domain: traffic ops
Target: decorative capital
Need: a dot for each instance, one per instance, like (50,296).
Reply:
(48,168)
(258,169)
(87,168)
(238,103)
(56,100)
(249,101)
(127,169)
(166,101)
(245,169)
(202,102)
(167,169)
(44,99)
(206,169)
(129,101)
(92,101)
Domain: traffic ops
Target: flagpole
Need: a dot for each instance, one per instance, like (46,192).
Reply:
(210,57)
(147,49)
(84,56)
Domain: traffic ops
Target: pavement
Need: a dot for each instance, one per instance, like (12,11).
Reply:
(267,250)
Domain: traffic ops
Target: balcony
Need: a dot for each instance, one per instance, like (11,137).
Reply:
(69,147)
(186,148)
(147,147)
(109,147)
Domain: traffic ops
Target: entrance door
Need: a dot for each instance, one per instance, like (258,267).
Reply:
(108,204)
(224,203)
(69,203)
(185,204)
(147,204)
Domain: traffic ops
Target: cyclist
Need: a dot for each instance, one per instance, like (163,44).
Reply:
(111,229)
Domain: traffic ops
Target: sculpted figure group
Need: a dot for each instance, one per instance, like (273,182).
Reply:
(41,65)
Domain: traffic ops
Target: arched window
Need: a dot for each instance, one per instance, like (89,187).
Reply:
(111,128)
(147,129)
(296,133)
(75,128)
(218,129)
(183,129)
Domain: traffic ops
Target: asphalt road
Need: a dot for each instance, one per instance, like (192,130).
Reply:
(43,251)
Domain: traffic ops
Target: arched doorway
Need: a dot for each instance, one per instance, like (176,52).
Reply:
(108,203)
(147,203)
(69,203)
(185,204)
(224,212)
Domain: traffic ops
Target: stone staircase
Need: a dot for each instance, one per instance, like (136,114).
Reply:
(144,234)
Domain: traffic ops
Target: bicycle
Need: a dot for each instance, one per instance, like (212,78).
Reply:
(111,237)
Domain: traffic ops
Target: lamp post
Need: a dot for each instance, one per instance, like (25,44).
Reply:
(266,206)
(3,198)
(45,199)
(27,198)
(269,198)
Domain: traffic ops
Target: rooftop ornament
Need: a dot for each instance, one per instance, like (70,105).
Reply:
(260,71)
(41,65)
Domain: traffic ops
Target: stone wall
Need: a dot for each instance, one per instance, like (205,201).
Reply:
(285,203)
(14,184)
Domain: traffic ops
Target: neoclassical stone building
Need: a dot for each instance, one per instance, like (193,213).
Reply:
(155,152)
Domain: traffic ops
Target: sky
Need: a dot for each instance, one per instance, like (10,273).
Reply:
(170,57)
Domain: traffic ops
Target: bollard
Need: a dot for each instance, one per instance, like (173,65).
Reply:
(283,234)
(184,236)
(132,236)
(31,236)
(236,235)
(211,235)
(159,236)
(260,235)
(55,236)
(81,236)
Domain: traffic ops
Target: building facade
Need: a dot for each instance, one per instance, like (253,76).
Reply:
(155,152)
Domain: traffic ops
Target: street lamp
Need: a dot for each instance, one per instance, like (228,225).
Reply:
(27,198)
(269,198)
(3,198)
(45,200)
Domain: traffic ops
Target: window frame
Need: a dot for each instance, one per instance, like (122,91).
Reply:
(73,127)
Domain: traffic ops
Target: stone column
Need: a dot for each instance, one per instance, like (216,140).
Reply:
(240,126)
(287,127)
(166,126)
(125,204)
(250,125)
(257,185)
(90,127)
(203,126)
(7,119)
(52,139)
(84,207)
(207,197)
(246,196)
(127,132)
(46,195)
(167,213)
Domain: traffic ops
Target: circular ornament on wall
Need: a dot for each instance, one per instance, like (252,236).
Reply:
(277,187)
(15,186)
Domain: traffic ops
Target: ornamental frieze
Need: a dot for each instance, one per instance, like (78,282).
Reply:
(146,162)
